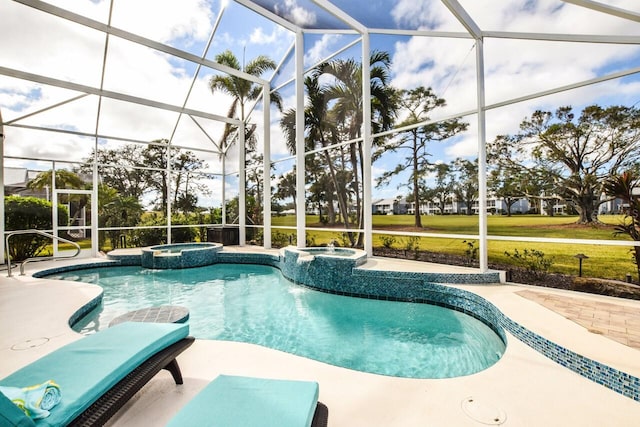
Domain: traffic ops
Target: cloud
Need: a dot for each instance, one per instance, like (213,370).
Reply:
(259,37)
(39,43)
(300,16)
(423,15)
(321,49)
(165,20)
(515,68)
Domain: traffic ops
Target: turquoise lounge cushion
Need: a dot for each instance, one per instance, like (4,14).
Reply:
(243,401)
(85,369)
(11,415)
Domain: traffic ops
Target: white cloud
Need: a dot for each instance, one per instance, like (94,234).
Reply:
(165,20)
(39,43)
(321,49)
(297,14)
(515,68)
(259,37)
(423,15)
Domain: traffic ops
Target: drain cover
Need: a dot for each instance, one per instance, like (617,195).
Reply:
(483,412)
(26,345)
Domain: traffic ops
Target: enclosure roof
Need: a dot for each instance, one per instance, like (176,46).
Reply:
(121,71)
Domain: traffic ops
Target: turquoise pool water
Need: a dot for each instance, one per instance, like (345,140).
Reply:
(256,304)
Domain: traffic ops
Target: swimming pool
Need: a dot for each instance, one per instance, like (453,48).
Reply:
(256,304)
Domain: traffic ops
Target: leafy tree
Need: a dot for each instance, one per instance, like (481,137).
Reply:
(121,169)
(579,153)
(442,188)
(184,168)
(26,213)
(136,171)
(418,103)
(466,183)
(115,210)
(506,183)
(255,186)
(154,235)
(622,187)
(287,188)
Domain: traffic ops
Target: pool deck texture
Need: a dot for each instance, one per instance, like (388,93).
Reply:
(524,388)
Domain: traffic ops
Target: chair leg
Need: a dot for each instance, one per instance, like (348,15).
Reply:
(175,371)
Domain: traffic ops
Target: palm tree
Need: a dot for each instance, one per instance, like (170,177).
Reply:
(65,179)
(242,90)
(320,132)
(622,187)
(348,108)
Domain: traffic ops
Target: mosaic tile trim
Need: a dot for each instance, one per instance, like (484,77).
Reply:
(248,258)
(190,255)
(614,379)
(341,276)
(85,309)
(455,278)
(56,270)
(126,259)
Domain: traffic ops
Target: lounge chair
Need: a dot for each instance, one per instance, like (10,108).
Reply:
(99,373)
(231,401)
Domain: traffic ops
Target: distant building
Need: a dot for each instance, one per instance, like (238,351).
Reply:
(16,180)
(389,207)
(452,206)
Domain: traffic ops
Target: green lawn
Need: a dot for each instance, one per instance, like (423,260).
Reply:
(613,262)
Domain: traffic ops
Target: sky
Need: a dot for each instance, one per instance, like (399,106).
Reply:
(36,42)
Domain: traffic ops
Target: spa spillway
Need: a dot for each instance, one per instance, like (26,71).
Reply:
(180,255)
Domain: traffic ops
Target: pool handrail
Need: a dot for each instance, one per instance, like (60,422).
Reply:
(42,233)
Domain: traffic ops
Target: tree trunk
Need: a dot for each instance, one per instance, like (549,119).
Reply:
(356,179)
(342,204)
(416,192)
(636,254)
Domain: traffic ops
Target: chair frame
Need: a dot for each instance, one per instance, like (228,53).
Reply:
(117,396)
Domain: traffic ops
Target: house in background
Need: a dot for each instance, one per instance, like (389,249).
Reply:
(397,206)
(495,205)
(16,180)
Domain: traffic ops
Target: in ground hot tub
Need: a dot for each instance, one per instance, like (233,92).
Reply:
(180,255)
(320,267)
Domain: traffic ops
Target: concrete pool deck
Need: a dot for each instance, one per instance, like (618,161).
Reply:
(524,388)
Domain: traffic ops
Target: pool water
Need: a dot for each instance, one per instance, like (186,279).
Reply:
(256,304)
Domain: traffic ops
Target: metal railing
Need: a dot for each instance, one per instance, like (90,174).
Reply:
(42,233)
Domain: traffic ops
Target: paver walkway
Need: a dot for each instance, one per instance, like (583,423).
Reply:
(618,322)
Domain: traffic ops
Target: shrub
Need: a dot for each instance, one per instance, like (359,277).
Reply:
(531,259)
(150,236)
(471,252)
(345,241)
(280,240)
(183,234)
(311,241)
(411,243)
(25,213)
(388,241)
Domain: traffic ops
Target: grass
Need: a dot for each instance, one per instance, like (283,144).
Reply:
(611,262)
